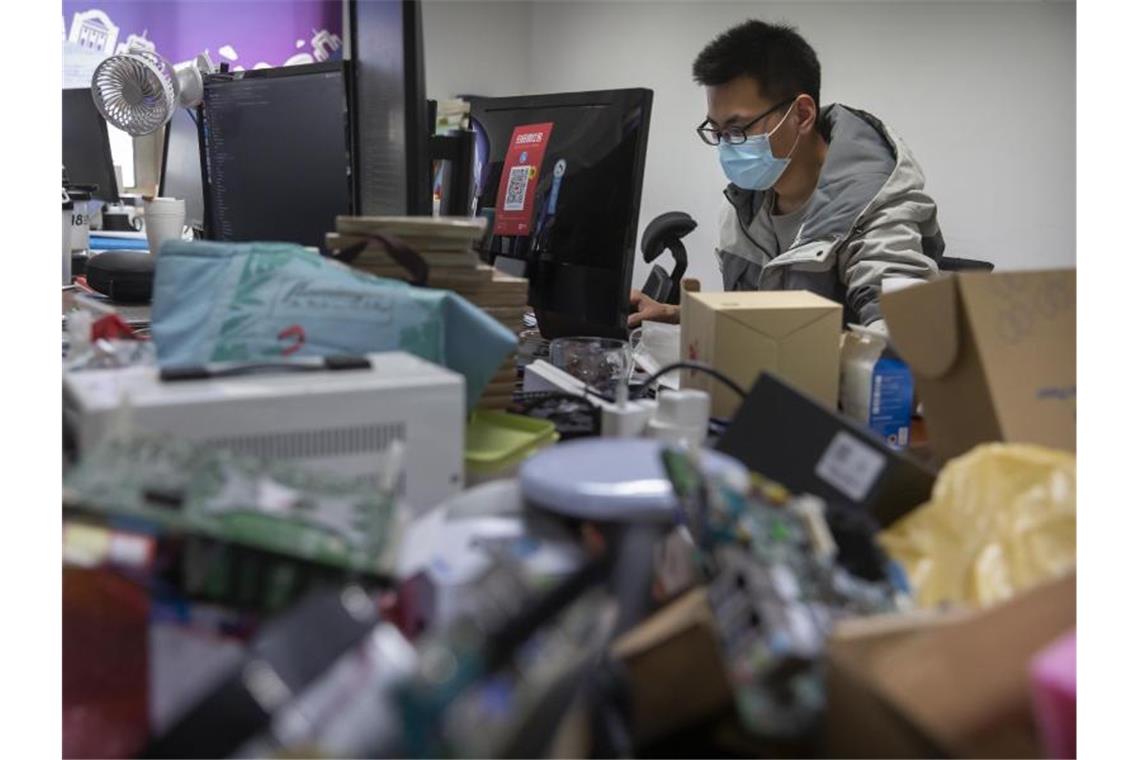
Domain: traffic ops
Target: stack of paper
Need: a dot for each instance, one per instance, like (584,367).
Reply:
(446,246)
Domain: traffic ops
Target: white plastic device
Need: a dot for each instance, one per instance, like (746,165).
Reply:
(339,421)
(681,417)
(138,91)
(674,416)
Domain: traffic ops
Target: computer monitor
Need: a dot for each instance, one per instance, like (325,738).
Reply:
(573,167)
(389,107)
(276,153)
(182,166)
(86,147)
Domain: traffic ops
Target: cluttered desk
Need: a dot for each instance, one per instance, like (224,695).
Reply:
(344,478)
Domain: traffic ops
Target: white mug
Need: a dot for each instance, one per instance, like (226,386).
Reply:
(165,218)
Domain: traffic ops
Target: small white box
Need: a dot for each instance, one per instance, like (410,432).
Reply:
(338,421)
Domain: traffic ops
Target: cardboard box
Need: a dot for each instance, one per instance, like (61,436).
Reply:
(792,334)
(994,356)
(943,684)
(675,668)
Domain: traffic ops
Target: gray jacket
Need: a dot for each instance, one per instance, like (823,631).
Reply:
(869,218)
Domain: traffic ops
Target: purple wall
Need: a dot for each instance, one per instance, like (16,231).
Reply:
(244,33)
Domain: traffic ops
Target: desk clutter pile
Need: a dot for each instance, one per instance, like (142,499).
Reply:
(445,246)
(323,558)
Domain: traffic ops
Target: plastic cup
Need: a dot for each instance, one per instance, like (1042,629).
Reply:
(602,363)
(165,218)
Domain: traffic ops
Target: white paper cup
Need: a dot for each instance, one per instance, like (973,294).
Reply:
(165,218)
(80,230)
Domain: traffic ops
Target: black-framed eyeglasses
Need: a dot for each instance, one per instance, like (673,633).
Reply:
(737,134)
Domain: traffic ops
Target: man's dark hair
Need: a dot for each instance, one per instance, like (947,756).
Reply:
(774,55)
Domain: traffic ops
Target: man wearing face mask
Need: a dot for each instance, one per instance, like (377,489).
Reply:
(827,200)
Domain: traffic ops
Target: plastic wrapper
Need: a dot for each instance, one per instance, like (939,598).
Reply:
(220,302)
(1001,518)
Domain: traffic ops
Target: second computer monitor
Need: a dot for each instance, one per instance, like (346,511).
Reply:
(276,153)
(182,166)
(563,175)
(86,147)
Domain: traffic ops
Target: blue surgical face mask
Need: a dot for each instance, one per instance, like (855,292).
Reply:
(751,165)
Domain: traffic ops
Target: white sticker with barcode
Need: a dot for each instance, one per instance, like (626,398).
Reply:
(850,465)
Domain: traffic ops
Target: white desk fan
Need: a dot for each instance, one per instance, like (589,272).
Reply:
(139,91)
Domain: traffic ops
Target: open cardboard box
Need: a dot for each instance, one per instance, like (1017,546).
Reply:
(952,684)
(994,356)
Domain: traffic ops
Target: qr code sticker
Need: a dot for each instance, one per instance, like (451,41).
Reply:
(516,188)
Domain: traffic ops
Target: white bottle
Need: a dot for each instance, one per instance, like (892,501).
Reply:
(681,417)
(875,391)
(861,351)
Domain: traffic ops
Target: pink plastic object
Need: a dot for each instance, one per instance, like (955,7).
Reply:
(1053,678)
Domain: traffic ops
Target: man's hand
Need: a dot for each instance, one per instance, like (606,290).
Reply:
(642,308)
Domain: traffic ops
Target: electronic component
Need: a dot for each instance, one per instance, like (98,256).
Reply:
(199,490)
(779,580)
(331,420)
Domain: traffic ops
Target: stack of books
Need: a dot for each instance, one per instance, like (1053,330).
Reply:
(446,246)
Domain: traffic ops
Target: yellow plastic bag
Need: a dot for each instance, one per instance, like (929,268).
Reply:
(1001,518)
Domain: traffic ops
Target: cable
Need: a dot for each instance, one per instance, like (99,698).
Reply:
(696,366)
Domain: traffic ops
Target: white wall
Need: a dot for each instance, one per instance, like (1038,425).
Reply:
(477,47)
(983,92)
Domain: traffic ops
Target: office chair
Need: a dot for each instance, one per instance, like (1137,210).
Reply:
(661,234)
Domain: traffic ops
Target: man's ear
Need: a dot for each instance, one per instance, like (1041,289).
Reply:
(805,113)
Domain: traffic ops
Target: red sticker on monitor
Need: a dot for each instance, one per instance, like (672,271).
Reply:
(521,168)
